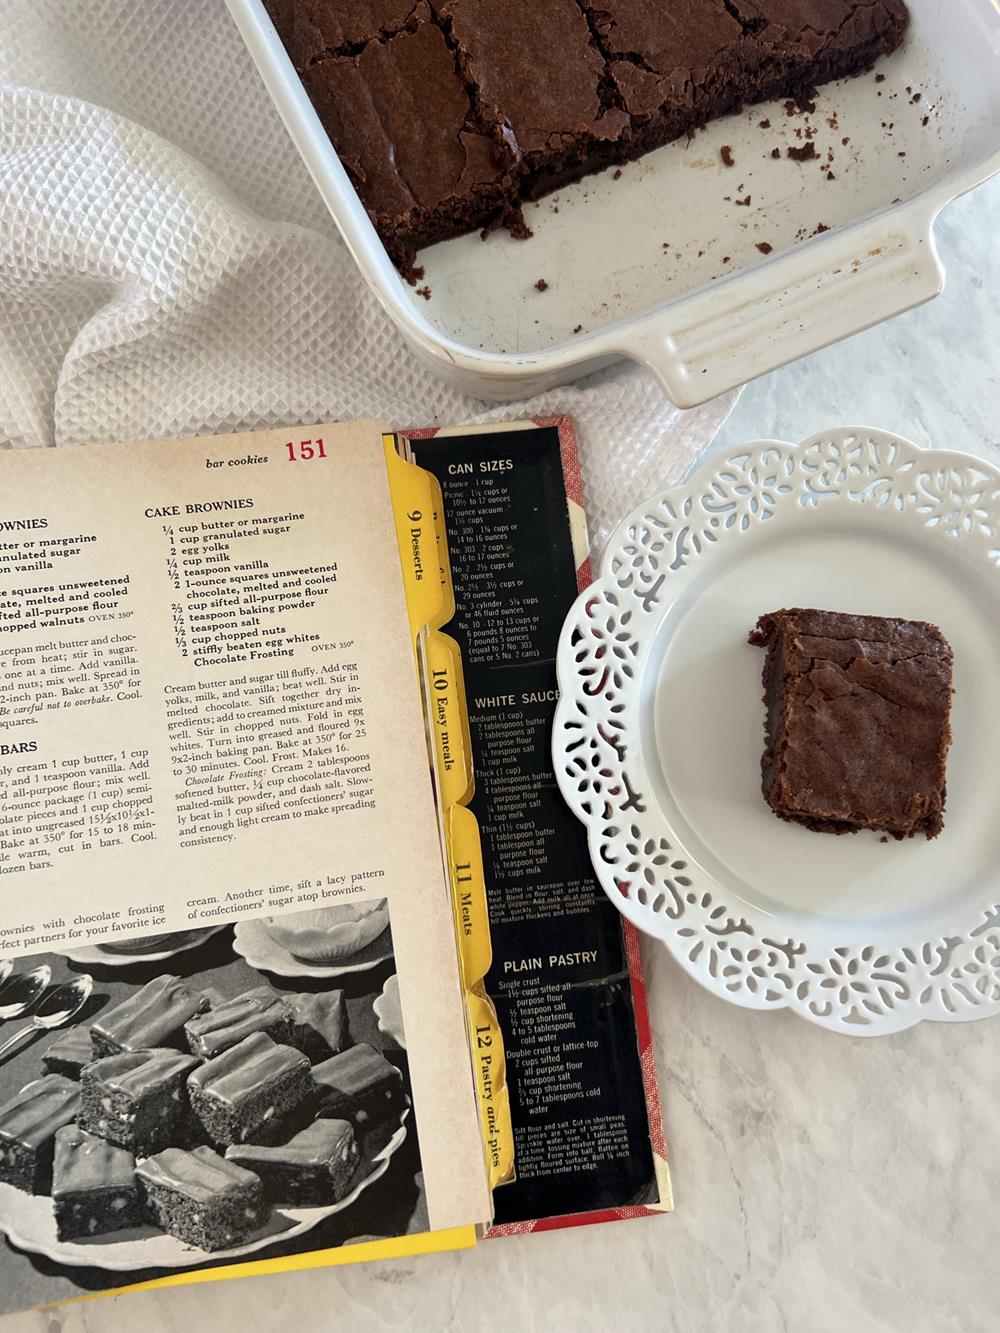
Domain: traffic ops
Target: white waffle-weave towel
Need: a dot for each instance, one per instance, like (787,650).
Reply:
(166,267)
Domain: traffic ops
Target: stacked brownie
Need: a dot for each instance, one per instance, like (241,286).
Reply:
(448,113)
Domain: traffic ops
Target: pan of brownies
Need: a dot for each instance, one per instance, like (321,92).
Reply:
(537,188)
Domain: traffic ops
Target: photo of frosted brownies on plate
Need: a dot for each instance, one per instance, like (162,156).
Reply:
(218,1111)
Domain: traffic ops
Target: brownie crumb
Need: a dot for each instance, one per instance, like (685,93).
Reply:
(578,329)
(726,258)
(803,153)
(425,292)
(830,176)
(726,153)
(926,120)
(880,78)
(765,124)
(775,153)
(821,229)
(541,285)
(616,175)
(764,247)
(744,203)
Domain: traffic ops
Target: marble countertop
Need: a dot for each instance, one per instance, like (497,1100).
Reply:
(822,1183)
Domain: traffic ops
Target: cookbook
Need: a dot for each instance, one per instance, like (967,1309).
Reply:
(268,996)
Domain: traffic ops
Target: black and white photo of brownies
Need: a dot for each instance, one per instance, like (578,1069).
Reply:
(238,1095)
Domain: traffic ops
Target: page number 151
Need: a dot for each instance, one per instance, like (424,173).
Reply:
(305,449)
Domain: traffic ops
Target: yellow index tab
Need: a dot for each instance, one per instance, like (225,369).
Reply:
(465,863)
(491,1079)
(465,858)
(415,506)
(449,722)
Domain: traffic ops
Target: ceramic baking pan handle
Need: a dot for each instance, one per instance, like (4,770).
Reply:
(758,320)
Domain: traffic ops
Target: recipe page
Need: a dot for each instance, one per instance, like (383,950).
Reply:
(213,749)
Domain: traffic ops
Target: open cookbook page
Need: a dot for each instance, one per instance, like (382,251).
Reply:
(224,914)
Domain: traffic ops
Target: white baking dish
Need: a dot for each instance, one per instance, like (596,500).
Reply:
(660,267)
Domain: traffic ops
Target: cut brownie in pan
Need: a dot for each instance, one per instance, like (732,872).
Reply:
(673,65)
(400,116)
(153,1016)
(359,1085)
(94,1188)
(314,1168)
(29,1123)
(138,1099)
(240,1094)
(228,1023)
(541,85)
(447,113)
(857,729)
(316,29)
(200,1198)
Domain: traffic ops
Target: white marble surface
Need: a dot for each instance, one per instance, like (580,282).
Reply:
(822,1183)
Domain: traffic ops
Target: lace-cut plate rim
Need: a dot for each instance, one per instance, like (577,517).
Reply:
(659,729)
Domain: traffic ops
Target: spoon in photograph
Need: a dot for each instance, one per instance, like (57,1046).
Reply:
(56,1009)
(20,992)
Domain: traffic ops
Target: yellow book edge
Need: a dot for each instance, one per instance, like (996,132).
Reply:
(397,1247)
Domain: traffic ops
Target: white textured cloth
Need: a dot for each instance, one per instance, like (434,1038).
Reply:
(166,267)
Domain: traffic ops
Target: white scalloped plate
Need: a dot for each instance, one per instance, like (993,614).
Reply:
(29,1222)
(253,943)
(388,1011)
(95,955)
(659,730)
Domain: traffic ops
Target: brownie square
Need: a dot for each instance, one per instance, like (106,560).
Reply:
(201,1198)
(359,1085)
(313,1169)
(227,1023)
(857,730)
(243,1093)
(314,29)
(94,1189)
(29,1123)
(70,1051)
(674,66)
(154,1016)
(320,1024)
(541,85)
(823,39)
(401,119)
(138,1099)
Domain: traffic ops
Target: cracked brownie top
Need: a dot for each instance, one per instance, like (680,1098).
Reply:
(448,113)
(858,720)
